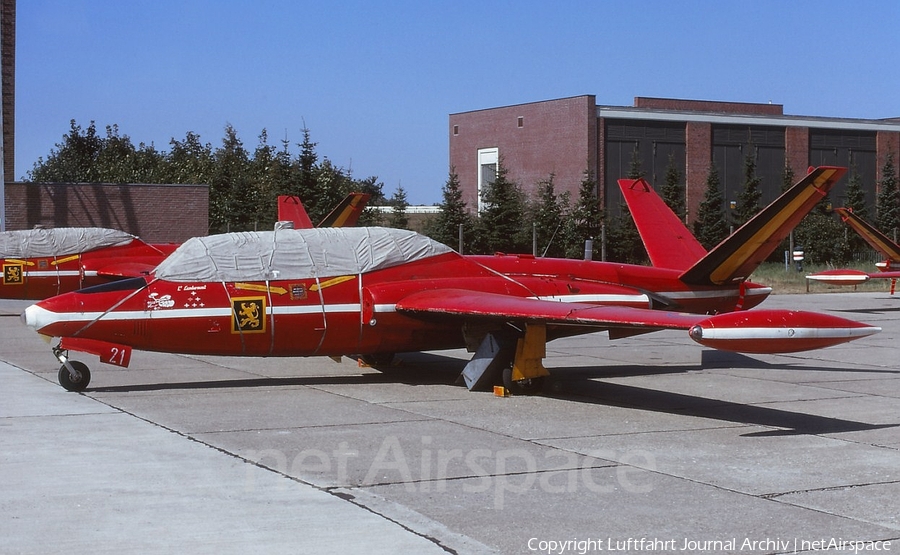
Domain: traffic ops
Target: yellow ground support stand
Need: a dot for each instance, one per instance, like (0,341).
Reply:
(530,353)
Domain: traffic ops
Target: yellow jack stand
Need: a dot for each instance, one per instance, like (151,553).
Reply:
(530,352)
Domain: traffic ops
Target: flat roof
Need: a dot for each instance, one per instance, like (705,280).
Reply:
(627,112)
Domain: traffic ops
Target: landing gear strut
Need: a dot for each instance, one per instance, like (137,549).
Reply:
(515,362)
(73,375)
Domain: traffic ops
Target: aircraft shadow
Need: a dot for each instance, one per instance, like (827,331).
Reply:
(415,369)
(626,396)
(576,384)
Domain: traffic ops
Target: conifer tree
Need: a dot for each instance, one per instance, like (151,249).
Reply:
(444,228)
(888,201)
(398,218)
(710,228)
(855,195)
(548,215)
(856,202)
(748,198)
(500,225)
(623,240)
(673,189)
(307,162)
(587,218)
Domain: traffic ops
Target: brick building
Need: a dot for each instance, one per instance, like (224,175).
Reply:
(155,213)
(567,136)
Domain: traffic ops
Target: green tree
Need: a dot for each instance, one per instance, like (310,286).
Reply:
(374,188)
(673,190)
(750,195)
(307,162)
(444,228)
(888,200)
(266,174)
(855,195)
(233,198)
(787,181)
(587,218)
(548,214)
(500,225)
(398,218)
(821,237)
(189,161)
(710,228)
(623,240)
(634,168)
(84,156)
(330,186)
(787,177)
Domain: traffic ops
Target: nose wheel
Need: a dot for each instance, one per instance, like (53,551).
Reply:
(73,375)
(76,379)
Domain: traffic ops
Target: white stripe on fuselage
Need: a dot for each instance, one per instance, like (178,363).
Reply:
(43,317)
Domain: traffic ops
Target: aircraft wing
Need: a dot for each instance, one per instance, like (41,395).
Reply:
(474,304)
(750,331)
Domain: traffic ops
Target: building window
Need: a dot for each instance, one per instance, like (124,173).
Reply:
(521,122)
(487,170)
(455,130)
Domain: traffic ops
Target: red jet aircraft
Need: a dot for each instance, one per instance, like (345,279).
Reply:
(43,262)
(878,241)
(376,291)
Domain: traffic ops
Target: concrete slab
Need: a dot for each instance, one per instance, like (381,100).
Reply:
(650,437)
(92,480)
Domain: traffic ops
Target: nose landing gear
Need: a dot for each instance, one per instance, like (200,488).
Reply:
(73,375)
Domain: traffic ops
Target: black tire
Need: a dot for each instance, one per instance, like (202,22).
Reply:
(530,386)
(80,382)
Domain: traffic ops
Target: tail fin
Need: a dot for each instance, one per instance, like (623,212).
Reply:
(290,209)
(735,258)
(668,241)
(347,213)
(876,239)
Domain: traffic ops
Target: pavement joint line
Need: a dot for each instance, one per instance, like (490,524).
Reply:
(610,464)
(776,495)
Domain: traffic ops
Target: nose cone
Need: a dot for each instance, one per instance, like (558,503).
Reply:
(38,318)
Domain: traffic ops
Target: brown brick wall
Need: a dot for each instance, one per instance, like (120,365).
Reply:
(749,108)
(155,213)
(556,136)
(8,38)
(796,150)
(698,151)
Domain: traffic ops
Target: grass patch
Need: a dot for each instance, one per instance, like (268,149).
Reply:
(774,275)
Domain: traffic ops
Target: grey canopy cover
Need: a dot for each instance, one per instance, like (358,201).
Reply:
(295,254)
(61,241)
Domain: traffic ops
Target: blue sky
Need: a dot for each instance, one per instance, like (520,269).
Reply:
(375,82)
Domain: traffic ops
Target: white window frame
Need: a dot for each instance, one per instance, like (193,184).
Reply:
(486,157)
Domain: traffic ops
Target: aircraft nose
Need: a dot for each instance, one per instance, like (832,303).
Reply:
(36,317)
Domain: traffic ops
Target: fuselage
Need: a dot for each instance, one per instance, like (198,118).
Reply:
(356,314)
(46,276)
